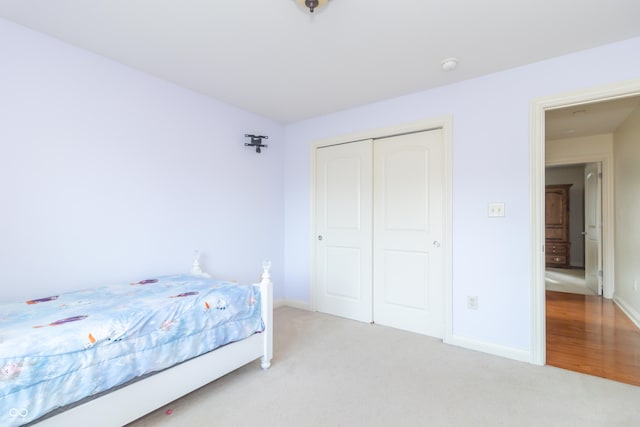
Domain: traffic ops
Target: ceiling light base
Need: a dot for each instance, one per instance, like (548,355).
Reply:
(312,5)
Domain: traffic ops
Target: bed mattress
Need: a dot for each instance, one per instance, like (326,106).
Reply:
(59,349)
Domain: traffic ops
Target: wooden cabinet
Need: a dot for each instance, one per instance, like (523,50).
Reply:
(557,243)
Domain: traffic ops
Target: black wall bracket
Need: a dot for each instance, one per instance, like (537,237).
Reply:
(256,141)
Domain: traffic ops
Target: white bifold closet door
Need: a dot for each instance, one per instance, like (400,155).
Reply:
(380,224)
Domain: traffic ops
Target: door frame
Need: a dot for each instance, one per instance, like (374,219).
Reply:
(446,124)
(537,110)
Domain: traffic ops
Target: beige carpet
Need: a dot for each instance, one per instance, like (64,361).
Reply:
(329,371)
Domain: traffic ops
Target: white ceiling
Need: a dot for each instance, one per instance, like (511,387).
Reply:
(597,118)
(273,58)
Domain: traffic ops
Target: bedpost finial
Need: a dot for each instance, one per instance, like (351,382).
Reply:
(266,265)
(196,270)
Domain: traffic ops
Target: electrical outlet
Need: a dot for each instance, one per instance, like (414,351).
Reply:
(496,209)
(472,302)
(635,285)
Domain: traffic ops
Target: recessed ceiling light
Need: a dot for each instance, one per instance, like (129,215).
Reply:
(449,64)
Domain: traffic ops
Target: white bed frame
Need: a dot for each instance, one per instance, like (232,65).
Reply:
(129,403)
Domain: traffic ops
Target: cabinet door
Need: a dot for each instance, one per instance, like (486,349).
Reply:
(557,225)
(556,217)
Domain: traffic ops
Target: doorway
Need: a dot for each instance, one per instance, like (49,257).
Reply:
(539,154)
(573,229)
(586,332)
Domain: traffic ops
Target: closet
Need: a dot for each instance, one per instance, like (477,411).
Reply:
(379,215)
(556,215)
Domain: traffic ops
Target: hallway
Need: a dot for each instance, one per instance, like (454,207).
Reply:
(566,280)
(590,334)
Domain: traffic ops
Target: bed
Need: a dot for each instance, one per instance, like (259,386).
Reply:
(107,356)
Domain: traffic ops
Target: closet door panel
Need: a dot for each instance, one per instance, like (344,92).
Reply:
(343,240)
(408,279)
(404,269)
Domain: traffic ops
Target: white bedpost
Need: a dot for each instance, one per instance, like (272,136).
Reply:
(196,270)
(266,291)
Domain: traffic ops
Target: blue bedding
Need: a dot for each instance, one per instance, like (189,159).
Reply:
(59,349)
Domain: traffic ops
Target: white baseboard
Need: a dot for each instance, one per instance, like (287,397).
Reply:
(628,310)
(292,303)
(496,350)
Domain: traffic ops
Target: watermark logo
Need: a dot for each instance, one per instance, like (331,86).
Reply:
(18,412)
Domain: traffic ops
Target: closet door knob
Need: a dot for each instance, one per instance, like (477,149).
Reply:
(436,244)
(320,237)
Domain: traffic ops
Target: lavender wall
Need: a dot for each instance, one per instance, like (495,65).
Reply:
(490,164)
(108,174)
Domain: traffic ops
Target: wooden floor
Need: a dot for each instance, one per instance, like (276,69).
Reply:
(590,334)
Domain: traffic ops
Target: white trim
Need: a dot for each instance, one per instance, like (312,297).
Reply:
(417,126)
(292,303)
(446,124)
(496,350)
(538,318)
(537,151)
(628,310)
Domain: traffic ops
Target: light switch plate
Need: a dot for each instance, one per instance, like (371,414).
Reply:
(496,209)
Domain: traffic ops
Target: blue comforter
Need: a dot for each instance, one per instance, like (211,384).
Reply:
(58,349)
